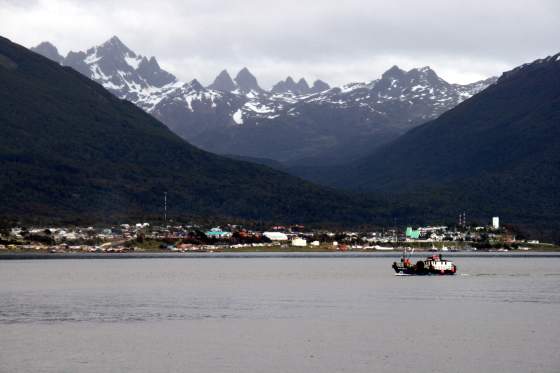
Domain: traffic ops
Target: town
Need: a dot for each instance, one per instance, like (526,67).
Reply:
(145,237)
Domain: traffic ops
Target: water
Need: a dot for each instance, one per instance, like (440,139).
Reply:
(261,314)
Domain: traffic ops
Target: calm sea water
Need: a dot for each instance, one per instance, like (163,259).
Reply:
(278,315)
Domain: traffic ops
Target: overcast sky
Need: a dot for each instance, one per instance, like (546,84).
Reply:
(335,40)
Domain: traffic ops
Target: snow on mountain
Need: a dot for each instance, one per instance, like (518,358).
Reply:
(121,71)
(419,91)
(220,117)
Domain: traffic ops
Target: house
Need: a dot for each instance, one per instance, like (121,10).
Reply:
(299,242)
(412,234)
(276,236)
(217,233)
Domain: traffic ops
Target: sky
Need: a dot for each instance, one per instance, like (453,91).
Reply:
(339,41)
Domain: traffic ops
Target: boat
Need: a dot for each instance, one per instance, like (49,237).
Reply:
(383,248)
(432,265)
(443,248)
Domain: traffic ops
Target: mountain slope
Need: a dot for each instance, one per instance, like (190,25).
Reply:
(71,150)
(513,122)
(297,125)
(293,123)
(496,153)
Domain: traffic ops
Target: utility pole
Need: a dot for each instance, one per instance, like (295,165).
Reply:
(165,207)
(462,220)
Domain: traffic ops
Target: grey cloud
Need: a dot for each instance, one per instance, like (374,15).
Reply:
(337,41)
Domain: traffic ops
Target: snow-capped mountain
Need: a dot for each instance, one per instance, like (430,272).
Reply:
(120,70)
(293,122)
(420,93)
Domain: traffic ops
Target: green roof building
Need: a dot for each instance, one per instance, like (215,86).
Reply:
(411,233)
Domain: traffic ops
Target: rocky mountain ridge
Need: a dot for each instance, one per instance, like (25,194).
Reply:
(70,151)
(293,122)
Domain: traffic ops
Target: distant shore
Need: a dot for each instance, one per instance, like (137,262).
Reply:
(269,254)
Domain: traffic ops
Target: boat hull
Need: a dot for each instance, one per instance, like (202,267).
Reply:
(422,271)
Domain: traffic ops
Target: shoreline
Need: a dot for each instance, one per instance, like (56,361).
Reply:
(269,254)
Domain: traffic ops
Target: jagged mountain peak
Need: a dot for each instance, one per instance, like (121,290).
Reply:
(204,116)
(115,66)
(246,81)
(223,82)
(114,41)
(289,85)
(426,73)
(113,46)
(394,72)
(195,85)
(319,86)
(284,86)
(415,83)
(425,69)
(151,72)
(302,85)
(46,44)
(530,66)
(150,63)
(48,50)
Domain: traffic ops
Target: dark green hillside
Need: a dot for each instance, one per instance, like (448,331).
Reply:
(496,153)
(70,150)
(510,129)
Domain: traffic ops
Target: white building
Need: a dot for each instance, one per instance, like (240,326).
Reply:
(300,242)
(276,236)
(496,222)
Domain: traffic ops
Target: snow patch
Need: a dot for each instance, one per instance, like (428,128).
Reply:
(111,85)
(258,108)
(92,58)
(132,61)
(351,87)
(98,74)
(238,117)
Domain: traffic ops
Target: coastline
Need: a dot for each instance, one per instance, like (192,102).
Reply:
(267,254)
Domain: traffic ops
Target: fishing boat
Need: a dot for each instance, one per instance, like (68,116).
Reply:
(432,265)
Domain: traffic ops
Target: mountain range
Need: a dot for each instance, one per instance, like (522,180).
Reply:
(71,151)
(491,148)
(294,123)
(496,153)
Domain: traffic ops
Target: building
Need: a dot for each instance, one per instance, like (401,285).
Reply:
(217,233)
(276,236)
(300,242)
(496,222)
(411,233)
